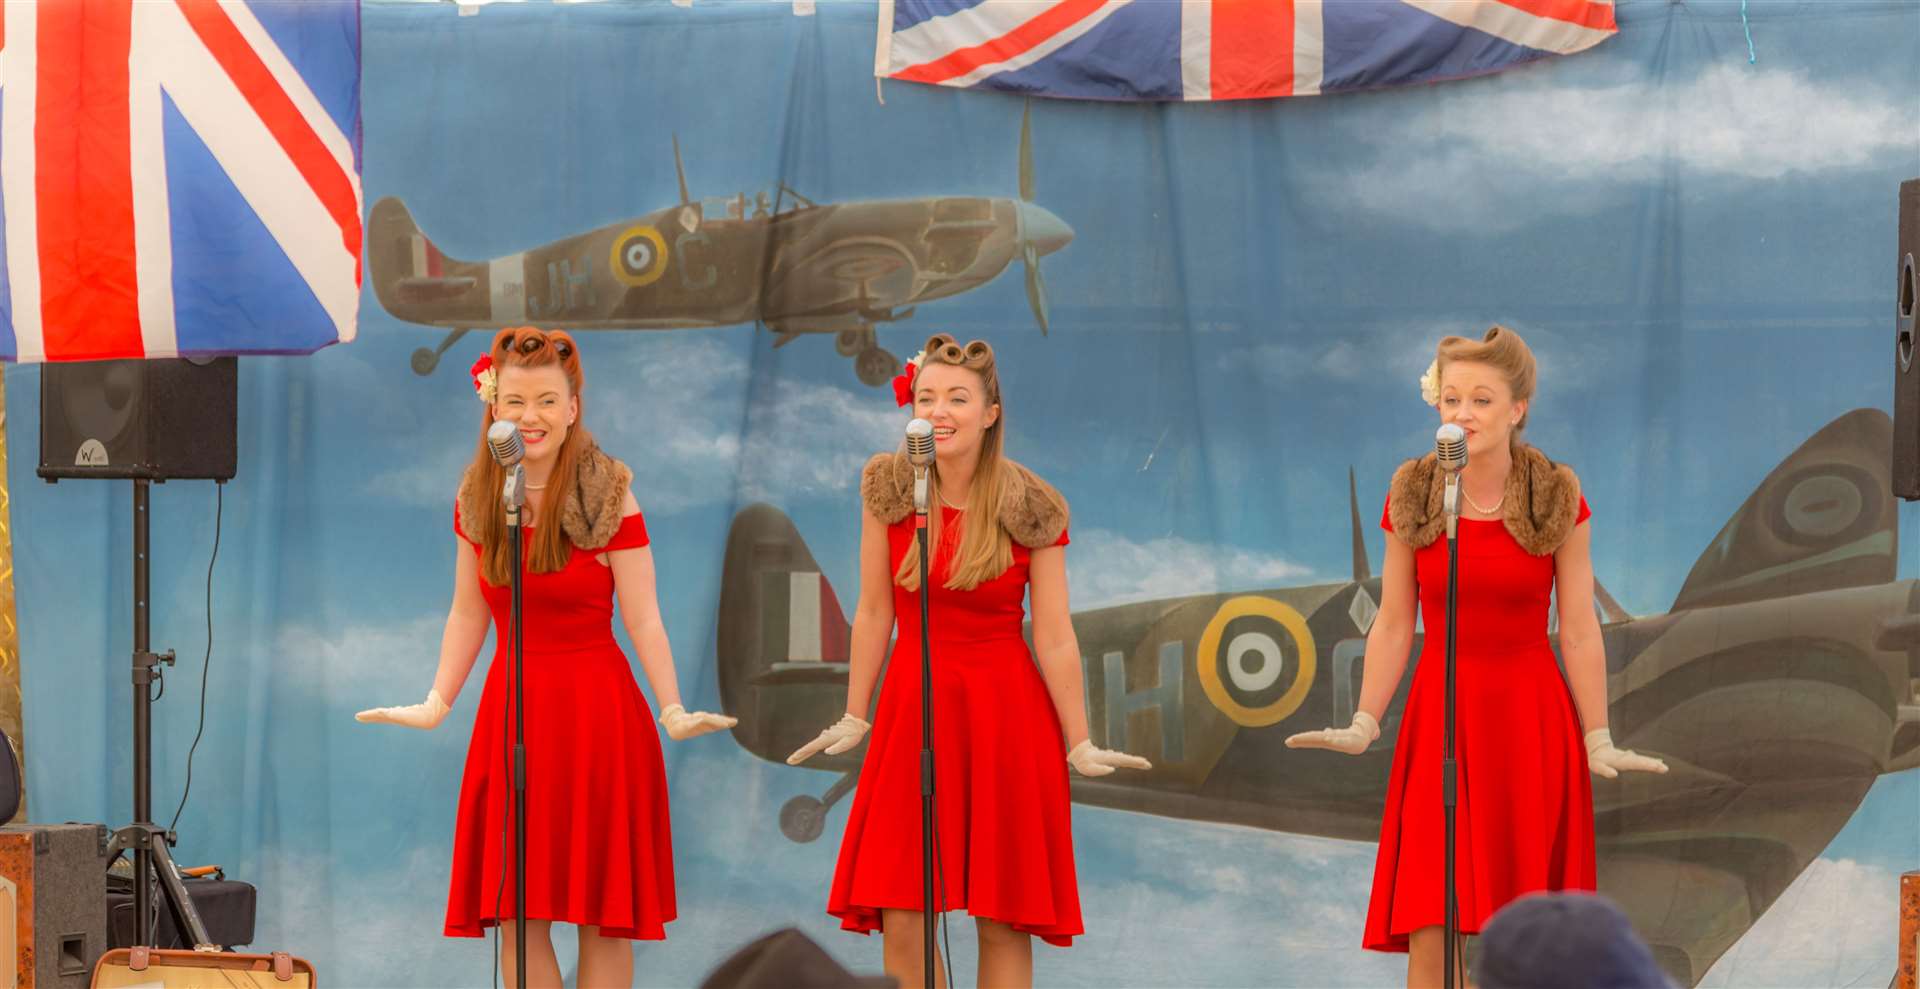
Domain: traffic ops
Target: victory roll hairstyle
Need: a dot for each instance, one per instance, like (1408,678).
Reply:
(1504,351)
(985,550)
(526,346)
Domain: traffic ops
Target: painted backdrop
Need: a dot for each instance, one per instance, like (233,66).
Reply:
(1237,300)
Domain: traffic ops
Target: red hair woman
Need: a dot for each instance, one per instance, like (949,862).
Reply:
(599,847)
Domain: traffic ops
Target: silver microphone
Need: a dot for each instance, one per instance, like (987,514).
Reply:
(1450,455)
(1450,447)
(920,443)
(920,455)
(503,438)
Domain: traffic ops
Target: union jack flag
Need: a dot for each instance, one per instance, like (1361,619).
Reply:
(1221,49)
(178,177)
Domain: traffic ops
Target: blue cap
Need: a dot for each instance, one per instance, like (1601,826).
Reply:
(1566,940)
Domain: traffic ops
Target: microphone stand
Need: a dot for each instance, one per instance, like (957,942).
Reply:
(926,723)
(514,495)
(1448,769)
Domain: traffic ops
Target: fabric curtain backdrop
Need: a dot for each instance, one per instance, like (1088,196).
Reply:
(1698,247)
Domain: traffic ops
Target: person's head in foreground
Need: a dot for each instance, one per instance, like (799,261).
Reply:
(1564,941)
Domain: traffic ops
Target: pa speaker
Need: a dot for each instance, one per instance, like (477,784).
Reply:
(155,419)
(1906,364)
(53,890)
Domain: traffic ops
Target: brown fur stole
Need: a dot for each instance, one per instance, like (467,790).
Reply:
(1031,511)
(1542,500)
(592,515)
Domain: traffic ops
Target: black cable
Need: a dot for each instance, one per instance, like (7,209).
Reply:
(219,506)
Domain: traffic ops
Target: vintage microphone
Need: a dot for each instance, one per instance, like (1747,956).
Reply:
(503,438)
(1450,455)
(920,455)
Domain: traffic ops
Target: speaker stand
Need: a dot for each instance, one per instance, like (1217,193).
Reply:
(149,841)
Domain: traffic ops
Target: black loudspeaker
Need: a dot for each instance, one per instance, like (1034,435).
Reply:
(157,419)
(53,892)
(1906,364)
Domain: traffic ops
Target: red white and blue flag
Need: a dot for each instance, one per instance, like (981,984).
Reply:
(178,177)
(1221,49)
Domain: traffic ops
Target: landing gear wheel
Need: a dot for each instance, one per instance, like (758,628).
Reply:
(424,361)
(876,366)
(853,342)
(803,818)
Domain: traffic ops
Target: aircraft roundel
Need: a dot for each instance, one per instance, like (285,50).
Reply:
(639,256)
(1256,660)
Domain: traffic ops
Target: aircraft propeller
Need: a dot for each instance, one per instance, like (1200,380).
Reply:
(1040,232)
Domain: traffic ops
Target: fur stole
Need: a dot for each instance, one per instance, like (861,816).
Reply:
(1542,500)
(1031,511)
(592,515)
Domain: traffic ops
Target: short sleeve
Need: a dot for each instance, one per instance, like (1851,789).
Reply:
(1584,513)
(457,529)
(1386,514)
(632,533)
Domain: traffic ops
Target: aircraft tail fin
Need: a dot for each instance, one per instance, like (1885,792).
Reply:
(405,267)
(1361,571)
(781,637)
(1824,518)
(680,171)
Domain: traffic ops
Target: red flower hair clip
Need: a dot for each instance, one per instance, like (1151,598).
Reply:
(485,379)
(903,383)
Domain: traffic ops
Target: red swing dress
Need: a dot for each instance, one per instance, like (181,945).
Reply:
(1000,771)
(1524,816)
(599,841)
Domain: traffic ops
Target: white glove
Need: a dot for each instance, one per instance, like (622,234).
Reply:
(681,725)
(1089,759)
(1607,761)
(843,735)
(425,715)
(1352,739)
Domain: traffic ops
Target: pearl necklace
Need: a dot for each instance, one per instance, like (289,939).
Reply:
(1495,510)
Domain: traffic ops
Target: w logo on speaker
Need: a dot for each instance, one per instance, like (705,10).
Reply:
(178,177)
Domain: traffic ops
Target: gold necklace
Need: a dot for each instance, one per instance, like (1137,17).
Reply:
(949,504)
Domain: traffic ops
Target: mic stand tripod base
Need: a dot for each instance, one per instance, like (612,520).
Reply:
(144,839)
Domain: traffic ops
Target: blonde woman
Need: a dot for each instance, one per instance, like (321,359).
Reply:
(1525,809)
(1005,719)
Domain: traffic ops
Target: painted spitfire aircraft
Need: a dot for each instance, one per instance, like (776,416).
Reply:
(1778,687)
(789,263)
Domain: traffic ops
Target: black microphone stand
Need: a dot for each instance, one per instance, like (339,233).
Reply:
(926,723)
(514,495)
(1449,770)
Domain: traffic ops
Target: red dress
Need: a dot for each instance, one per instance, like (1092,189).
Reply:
(1000,765)
(1524,816)
(599,847)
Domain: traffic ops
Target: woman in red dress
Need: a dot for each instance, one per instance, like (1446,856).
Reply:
(1003,723)
(599,847)
(1524,813)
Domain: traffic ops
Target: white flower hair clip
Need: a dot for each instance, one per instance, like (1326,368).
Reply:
(1430,384)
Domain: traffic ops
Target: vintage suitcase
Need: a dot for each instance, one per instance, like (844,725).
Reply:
(157,968)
